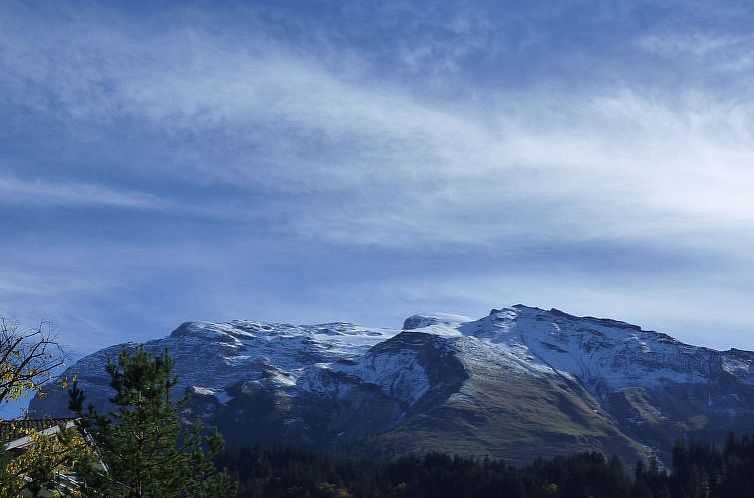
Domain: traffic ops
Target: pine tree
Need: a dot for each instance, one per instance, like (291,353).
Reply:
(145,450)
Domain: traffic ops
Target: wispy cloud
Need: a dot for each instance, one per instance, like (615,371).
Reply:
(13,190)
(409,169)
(283,129)
(719,54)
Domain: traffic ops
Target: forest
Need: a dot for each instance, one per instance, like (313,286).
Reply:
(699,470)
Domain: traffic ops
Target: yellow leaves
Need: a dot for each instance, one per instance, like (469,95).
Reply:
(44,459)
(64,383)
(332,491)
(28,358)
(551,489)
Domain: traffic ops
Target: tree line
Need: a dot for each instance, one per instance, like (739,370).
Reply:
(699,470)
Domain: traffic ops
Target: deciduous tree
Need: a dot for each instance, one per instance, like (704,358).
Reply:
(28,360)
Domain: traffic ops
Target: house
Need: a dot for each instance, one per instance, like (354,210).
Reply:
(13,433)
(15,436)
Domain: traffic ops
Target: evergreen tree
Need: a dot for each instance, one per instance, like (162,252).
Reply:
(144,449)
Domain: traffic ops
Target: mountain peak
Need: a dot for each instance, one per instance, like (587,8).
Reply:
(424,320)
(595,382)
(518,308)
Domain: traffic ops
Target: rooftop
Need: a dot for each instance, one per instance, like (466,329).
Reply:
(11,430)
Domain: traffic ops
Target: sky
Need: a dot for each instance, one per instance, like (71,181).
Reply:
(315,161)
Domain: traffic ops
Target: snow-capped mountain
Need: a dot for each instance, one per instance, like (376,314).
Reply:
(519,383)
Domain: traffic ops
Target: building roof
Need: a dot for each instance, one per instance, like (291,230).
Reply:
(12,430)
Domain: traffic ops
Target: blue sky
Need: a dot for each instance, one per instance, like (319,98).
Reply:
(313,161)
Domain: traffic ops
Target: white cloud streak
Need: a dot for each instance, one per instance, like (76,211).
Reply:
(16,191)
(341,156)
(368,162)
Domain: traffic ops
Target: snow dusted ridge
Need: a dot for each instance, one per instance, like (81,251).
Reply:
(601,353)
(611,385)
(211,356)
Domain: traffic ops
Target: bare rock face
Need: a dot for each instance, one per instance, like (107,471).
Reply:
(517,384)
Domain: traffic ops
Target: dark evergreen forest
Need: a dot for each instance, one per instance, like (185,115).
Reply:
(698,471)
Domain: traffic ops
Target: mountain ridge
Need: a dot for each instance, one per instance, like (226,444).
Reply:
(518,383)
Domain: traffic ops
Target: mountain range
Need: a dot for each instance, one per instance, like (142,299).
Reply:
(519,383)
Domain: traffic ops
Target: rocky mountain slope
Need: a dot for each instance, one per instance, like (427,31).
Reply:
(519,383)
